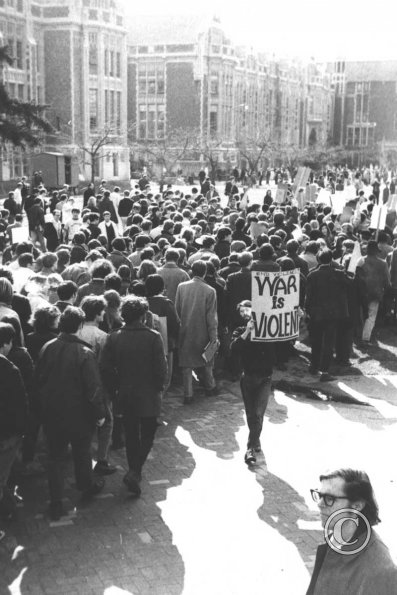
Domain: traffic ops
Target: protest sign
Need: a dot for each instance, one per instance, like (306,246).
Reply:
(281,193)
(256,196)
(297,233)
(301,199)
(350,192)
(324,197)
(275,306)
(346,215)
(355,258)
(301,178)
(338,202)
(311,192)
(20,234)
(392,202)
(378,218)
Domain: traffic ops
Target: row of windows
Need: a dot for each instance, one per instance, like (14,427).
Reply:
(151,122)
(360,136)
(17,4)
(111,107)
(112,62)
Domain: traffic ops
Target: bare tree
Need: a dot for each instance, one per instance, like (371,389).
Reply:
(255,148)
(93,148)
(167,152)
(210,149)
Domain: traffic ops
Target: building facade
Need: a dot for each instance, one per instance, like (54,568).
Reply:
(74,59)
(365,115)
(184,73)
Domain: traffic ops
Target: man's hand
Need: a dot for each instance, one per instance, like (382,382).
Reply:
(100,422)
(248,329)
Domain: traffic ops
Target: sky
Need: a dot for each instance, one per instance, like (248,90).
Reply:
(345,29)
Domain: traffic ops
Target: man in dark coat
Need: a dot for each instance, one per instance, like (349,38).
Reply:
(13,416)
(36,223)
(71,398)
(238,289)
(133,365)
(326,304)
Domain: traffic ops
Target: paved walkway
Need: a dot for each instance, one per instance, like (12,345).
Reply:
(205,524)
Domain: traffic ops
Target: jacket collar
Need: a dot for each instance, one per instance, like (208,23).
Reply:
(66,338)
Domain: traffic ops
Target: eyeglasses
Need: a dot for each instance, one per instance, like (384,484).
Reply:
(328,499)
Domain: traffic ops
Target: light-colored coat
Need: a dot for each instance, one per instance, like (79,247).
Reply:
(195,304)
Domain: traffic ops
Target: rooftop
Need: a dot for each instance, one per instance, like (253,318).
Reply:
(168,29)
(380,70)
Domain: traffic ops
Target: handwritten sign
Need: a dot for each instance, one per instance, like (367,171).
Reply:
(275,306)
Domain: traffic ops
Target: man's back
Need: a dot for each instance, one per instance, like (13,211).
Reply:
(326,294)
(133,362)
(376,276)
(172,276)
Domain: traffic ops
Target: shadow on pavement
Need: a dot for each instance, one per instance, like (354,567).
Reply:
(116,541)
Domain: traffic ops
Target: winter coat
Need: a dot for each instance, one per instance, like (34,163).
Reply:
(376,277)
(13,401)
(196,307)
(133,365)
(326,294)
(69,384)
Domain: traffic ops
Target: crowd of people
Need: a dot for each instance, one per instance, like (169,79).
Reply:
(108,299)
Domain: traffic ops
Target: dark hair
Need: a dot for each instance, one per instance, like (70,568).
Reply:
(101,268)
(266,252)
(172,255)
(118,244)
(324,256)
(223,232)
(92,306)
(124,272)
(312,247)
(199,268)
(292,246)
(63,256)
(71,319)
(7,333)
(44,318)
(25,259)
(154,285)
(141,241)
(113,281)
(49,259)
(133,308)
(6,274)
(66,290)
(358,487)
(146,268)
(245,258)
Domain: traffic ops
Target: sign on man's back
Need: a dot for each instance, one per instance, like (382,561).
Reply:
(275,306)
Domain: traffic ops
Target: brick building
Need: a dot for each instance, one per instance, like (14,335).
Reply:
(365,106)
(72,56)
(183,72)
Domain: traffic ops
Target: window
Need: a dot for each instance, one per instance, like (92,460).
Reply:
(151,132)
(106,106)
(93,59)
(93,15)
(11,89)
(19,55)
(115,165)
(350,136)
(118,110)
(93,97)
(142,121)
(111,63)
(118,65)
(112,109)
(356,141)
(20,5)
(160,85)
(213,122)
(21,92)
(106,62)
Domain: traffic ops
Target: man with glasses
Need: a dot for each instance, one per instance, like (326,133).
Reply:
(353,560)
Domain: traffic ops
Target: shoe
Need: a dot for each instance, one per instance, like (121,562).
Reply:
(325,377)
(131,480)
(250,457)
(313,371)
(188,401)
(96,487)
(56,511)
(212,392)
(103,468)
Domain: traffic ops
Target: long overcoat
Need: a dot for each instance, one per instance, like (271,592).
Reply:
(195,304)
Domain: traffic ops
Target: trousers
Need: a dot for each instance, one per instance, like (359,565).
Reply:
(139,438)
(58,440)
(8,452)
(255,390)
(322,334)
(369,324)
(205,373)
